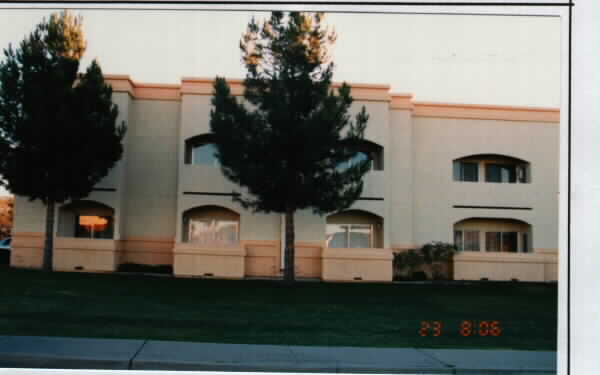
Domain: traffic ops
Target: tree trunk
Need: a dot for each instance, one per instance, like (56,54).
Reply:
(49,242)
(289,255)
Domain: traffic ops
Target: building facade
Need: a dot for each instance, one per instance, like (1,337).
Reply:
(482,177)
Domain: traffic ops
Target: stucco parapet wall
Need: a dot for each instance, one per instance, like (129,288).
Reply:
(143,91)
(83,244)
(204,86)
(360,92)
(486,112)
(355,253)
(401,101)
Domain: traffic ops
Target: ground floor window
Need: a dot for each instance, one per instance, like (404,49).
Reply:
(213,231)
(86,219)
(466,240)
(349,235)
(354,229)
(505,242)
(211,225)
(493,235)
(87,226)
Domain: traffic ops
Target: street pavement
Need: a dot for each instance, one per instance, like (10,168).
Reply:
(116,354)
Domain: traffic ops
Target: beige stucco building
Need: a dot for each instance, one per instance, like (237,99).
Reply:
(483,177)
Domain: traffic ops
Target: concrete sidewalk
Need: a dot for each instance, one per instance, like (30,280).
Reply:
(81,353)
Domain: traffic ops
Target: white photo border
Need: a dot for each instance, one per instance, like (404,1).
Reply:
(580,191)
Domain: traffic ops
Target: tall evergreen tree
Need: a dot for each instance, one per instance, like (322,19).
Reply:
(287,146)
(58,130)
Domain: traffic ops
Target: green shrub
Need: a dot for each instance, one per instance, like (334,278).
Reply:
(410,264)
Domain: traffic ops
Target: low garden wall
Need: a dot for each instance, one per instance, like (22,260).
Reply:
(153,251)
(262,258)
(357,265)
(219,262)
(506,266)
(85,254)
(27,250)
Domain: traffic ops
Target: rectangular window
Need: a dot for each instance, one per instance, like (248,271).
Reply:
(360,236)
(205,154)
(467,240)
(213,232)
(471,240)
(492,241)
(500,173)
(505,242)
(337,236)
(522,177)
(464,171)
(349,236)
(509,242)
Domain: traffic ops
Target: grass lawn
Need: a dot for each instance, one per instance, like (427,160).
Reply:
(264,312)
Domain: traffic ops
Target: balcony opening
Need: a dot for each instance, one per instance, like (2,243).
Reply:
(201,150)
(491,168)
(493,235)
(86,219)
(211,226)
(354,229)
(365,150)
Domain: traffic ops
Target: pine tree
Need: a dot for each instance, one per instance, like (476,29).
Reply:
(287,146)
(58,130)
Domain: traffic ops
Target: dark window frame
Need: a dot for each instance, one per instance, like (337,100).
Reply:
(459,170)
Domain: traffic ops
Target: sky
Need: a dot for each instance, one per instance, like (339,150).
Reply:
(503,60)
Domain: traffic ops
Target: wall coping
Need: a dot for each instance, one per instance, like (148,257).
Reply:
(194,249)
(495,257)
(360,92)
(355,253)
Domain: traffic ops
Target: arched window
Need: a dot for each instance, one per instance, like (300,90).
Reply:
(211,225)
(493,235)
(366,150)
(354,229)
(201,150)
(491,168)
(86,219)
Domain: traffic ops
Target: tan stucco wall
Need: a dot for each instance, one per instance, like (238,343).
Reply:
(151,177)
(27,249)
(420,142)
(262,258)
(147,250)
(82,254)
(357,265)
(400,174)
(219,262)
(505,266)
(437,142)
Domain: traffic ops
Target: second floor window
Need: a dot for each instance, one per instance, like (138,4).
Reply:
(365,151)
(494,168)
(466,171)
(201,150)
(204,154)
(505,173)
(357,159)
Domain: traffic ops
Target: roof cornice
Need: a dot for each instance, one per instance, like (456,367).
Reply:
(360,92)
